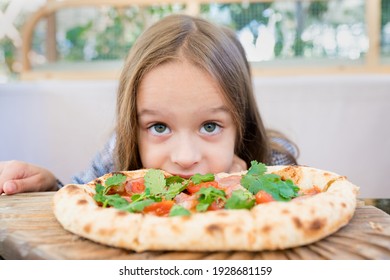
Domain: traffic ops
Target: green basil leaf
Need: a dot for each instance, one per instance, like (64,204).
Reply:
(178,210)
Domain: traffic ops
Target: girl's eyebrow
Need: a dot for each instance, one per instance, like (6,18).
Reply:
(153,112)
(148,112)
(222,108)
(158,113)
(215,111)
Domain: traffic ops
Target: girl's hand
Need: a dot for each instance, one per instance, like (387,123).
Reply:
(18,176)
(238,165)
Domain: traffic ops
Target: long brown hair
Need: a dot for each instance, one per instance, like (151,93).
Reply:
(213,49)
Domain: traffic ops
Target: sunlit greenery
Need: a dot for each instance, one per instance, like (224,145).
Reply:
(269,31)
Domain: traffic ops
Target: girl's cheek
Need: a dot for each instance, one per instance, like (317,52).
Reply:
(238,165)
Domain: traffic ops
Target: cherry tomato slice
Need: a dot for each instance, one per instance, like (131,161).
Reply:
(159,208)
(216,205)
(195,188)
(263,197)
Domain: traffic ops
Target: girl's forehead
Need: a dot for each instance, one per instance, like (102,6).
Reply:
(179,83)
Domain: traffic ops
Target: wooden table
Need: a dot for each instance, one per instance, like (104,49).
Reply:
(29,230)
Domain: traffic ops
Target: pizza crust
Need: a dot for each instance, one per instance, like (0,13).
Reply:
(269,226)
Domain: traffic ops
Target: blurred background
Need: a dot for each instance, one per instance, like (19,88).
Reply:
(38,36)
(321,76)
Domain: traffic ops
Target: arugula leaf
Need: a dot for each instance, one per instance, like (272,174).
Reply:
(240,199)
(199,178)
(256,180)
(208,196)
(136,197)
(115,180)
(99,189)
(138,206)
(99,196)
(152,194)
(174,179)
(114,200)
(174,189)
(290,190)
(178,210)
(155,182)
(257,168)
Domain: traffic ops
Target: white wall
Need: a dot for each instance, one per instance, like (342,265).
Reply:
(58,125)
(339,123)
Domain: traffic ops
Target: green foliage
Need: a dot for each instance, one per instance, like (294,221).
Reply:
(240,199)
(178,210)
(208,196)
(114,200)
(385,6)
(113,33)
(174,189)
(251,14)
(9,51)
(122,28)
(155,182)
(115,180)
(317,9)
(77,37)
(137,206)
(199,178)
(256,180)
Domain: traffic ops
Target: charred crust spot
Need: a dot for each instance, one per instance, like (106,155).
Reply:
(286,211)
(98,181)
(82,202)
(317,224)
(221,214)
(343,205)
(71,189)
(266,229)
(185,218)
(290,172)
(251,237)
(176,229)
(297,222)
(237,230)
(121,213)
(106,232)
(314,225)
(87,228)
(212,229)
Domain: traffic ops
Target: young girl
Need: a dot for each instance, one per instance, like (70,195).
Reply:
(185,104)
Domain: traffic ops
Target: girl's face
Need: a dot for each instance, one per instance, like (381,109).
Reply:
(184,124)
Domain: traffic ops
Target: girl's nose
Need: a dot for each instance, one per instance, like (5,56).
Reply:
(185,153)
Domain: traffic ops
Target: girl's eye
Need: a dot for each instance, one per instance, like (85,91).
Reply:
(159,129)
(210,128)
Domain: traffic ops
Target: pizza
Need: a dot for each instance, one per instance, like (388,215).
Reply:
(264,208)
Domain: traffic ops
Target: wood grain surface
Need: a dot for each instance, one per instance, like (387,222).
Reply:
(29,230)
